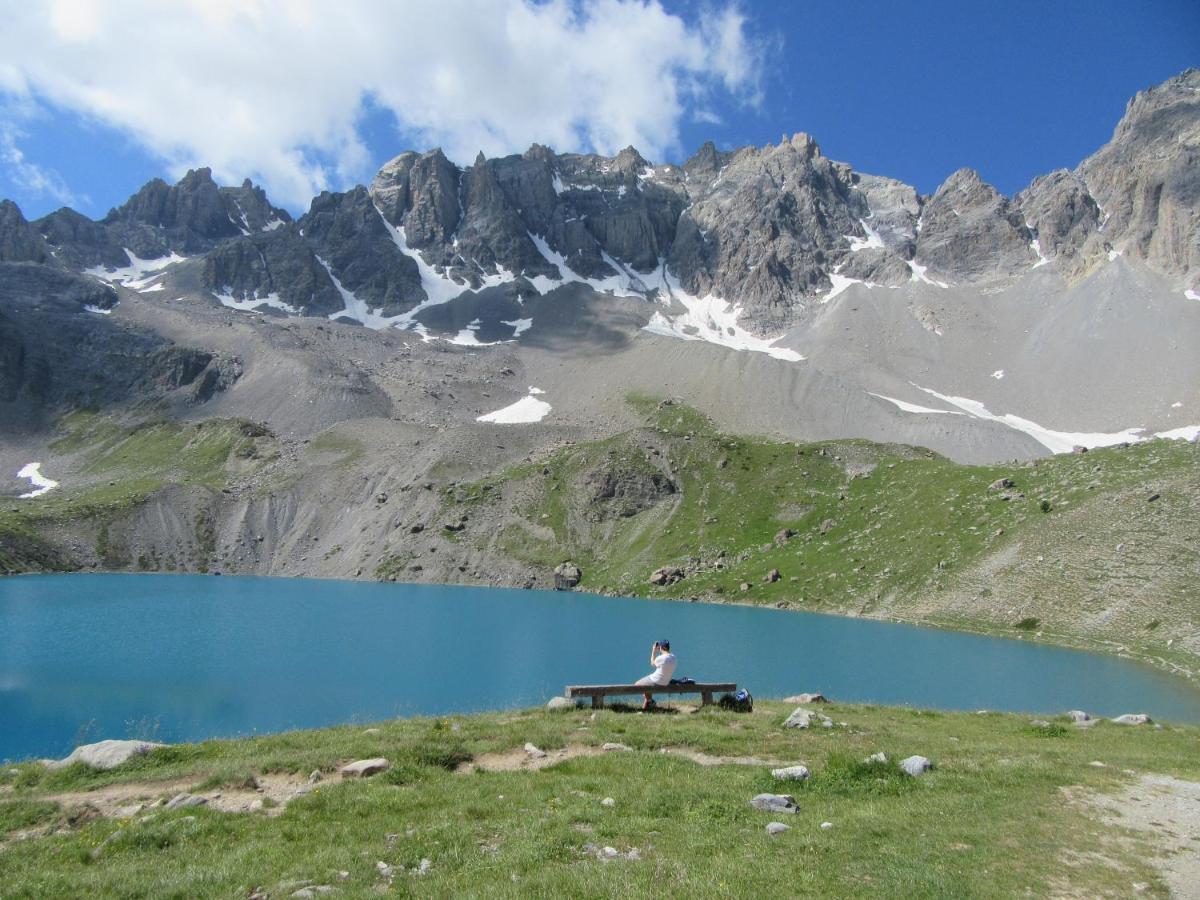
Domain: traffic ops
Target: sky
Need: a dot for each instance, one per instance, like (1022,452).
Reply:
(99,96)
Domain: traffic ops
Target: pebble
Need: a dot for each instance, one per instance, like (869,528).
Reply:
(608,801)
(826,825)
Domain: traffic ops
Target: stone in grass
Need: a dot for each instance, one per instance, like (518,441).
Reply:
(1077,716)
(608,801)
(364,768)
(560,703)
(879,757)
(791,773)
(804,718)
(535,752)
(916,765)
(777,828)
(185,800)
(1132,719)
(806,698)
(611,746)
(105,754)
(776,803)
(315,890)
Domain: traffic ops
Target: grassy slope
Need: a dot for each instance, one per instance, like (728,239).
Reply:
(990,821)
(121,467)
(881,530)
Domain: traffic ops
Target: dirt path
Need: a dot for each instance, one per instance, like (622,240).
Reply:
(1166,812)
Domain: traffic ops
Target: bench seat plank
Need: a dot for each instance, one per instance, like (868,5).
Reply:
(599,691)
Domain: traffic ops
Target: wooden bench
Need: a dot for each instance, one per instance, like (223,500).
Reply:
(599,691)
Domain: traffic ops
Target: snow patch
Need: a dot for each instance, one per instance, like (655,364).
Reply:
(1176,405)
(33,472)
(918,274)
(527,410)
(438,288)
(139,273)
(253,304)
(99,310)
(273,224)
(154,287)
(871,242)
(354,308)
(519,326)
(1186,433)
(1059,441)
(998,374)
(841,282)
(1113,254)
(712,320)
(1191,294)
(913,408)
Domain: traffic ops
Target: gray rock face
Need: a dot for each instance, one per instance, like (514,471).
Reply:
(567,576)
(776,803)
(79,242)
(969,232)
(277,263)
(1061,215)
(20,241)
(1145,179)
(106,754)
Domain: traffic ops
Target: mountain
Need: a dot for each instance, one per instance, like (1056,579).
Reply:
(213,383)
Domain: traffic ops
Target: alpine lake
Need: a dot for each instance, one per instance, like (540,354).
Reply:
(185,658)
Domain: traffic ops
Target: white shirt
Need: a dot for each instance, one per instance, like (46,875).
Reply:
(665,668)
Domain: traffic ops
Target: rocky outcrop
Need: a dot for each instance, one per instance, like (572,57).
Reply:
(105,754)
(969,232)
(20,241)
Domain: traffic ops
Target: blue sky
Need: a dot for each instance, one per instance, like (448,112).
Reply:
(90,111)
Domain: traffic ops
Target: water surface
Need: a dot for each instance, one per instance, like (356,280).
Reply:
(179,657)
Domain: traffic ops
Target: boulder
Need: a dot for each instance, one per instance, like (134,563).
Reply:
(534,751)
(777,828)
(879,757)
(1132,719)
(791,773)
(806,698)
(666,575)
(364,768)
(1002,484)
(566,576)
(773,576)
(776,803)
(105,754)
(1077,716)
(916,765)
(784,535)
(185,801)
(800,718)
(611,746)
(560,703)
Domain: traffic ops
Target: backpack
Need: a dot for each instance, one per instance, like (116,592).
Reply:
(741,702)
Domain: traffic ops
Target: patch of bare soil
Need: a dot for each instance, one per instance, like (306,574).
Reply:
(1165,812)
(521,760)
(135,798)
(705,759)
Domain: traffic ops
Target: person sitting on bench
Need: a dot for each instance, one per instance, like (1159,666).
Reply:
(664,662)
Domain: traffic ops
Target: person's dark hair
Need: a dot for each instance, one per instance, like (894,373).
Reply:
(666,645)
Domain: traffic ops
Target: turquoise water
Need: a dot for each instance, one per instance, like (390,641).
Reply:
(87,657)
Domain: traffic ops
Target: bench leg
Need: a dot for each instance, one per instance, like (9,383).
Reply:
(706,698)
(597,701)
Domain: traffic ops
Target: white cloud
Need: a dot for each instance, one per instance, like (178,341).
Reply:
(28,177)
(273,88)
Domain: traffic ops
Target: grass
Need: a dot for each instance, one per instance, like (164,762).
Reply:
(989,821)
(117,468)
(878,530)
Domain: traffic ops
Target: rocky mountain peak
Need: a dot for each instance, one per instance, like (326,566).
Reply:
(20,241)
